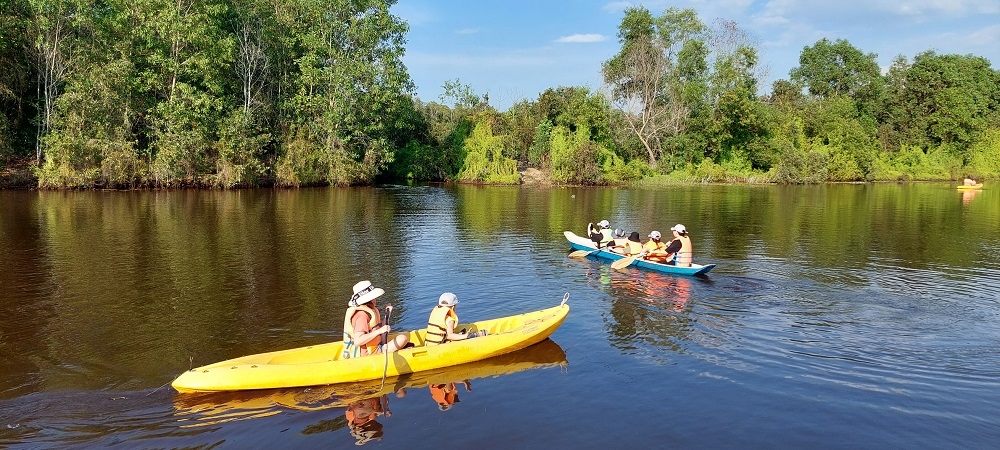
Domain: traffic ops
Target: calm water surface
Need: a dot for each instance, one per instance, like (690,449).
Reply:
(841,316)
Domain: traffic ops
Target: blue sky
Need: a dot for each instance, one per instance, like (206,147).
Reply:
(515,49)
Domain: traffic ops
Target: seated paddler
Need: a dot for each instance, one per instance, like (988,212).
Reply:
(443,320)
(363,326)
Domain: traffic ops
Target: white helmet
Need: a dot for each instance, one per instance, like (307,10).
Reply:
(448,299)
(604,224)
(654,235)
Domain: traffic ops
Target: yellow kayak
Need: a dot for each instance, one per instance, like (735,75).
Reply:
(322,364)
(973,186)
(210,408)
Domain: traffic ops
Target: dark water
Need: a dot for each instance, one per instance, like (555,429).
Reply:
(842,316)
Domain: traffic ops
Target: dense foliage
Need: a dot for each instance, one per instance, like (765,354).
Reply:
(301,92)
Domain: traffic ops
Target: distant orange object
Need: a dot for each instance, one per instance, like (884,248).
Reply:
(967,195)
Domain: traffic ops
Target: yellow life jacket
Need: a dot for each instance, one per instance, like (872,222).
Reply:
(350,349)
(684,256)
(437,325)
(633,248)
(655,246)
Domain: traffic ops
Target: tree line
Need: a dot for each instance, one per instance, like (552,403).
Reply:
(107,93)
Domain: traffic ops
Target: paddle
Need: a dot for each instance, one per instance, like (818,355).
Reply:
(385,347)
(581,253)
(624,262)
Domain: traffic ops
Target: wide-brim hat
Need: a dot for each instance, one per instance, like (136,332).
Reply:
(634,237)
(364,292)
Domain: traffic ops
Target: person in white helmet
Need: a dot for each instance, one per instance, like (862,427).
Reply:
(680,249)
(443,320)
(363,326)
(655,250)
(601,235)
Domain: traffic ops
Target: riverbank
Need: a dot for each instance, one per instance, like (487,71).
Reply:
(18,174)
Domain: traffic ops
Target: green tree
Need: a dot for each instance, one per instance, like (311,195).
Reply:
(484,160)
(947,100)
(351,78)
(828,69)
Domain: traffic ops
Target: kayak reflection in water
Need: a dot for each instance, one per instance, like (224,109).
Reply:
(446,394)
(361,417)
(968,195)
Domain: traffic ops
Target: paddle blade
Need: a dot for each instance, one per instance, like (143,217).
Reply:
(579,253)
(623,263)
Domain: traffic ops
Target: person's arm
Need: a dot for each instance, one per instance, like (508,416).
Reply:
(674,247)
(452,335)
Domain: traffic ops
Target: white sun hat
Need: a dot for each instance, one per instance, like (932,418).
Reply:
(448,299)
(604,224)
(364,292)
(654,234)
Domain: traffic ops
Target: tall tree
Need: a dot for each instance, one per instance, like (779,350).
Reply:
(660,59)
(838,68)
(949,99)
(351,79)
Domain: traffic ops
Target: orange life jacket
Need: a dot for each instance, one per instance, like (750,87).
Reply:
(351,349)
(444,394)
(654,246)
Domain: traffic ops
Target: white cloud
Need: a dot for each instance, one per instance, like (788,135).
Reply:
(986,36)
(613,7)
(581,38)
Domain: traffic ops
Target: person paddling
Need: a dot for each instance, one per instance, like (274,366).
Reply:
(618,244)
(602,234)
(633,246)
(363,326)
(655,250)
(679,248)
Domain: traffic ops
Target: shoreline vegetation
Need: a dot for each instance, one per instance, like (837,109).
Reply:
(221,94)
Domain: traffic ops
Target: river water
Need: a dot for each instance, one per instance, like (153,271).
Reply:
(839,316)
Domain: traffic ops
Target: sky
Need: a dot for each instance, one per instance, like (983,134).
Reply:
(516,49)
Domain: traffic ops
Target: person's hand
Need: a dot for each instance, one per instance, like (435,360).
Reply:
(384,329)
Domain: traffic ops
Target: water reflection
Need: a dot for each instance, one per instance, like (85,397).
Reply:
(361,417)
(446,394)
(363,402)
(968,195)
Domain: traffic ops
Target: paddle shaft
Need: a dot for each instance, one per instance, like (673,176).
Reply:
(385,349)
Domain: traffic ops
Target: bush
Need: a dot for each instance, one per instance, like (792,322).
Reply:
(797,166)
(484,160)
(985,162)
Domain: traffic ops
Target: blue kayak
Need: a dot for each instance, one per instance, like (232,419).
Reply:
(583,243)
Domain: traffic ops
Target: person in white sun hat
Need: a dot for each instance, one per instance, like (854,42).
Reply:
(363,326)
